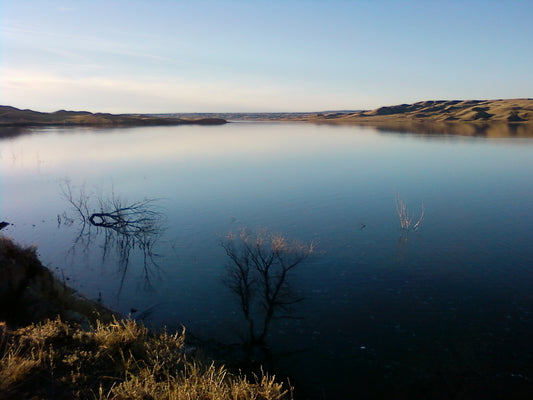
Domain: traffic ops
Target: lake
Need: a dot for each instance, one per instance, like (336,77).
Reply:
(443,311)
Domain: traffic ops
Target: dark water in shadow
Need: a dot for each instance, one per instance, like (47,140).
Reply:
(443,312)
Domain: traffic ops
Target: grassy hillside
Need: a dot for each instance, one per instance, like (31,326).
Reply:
(471,111)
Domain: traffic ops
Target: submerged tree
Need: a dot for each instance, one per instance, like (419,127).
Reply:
(258,273)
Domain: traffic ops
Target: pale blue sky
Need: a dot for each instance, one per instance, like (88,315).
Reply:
(182,56)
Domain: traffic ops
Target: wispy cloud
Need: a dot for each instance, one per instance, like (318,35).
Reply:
(80,46)
(65,9)
(10,28)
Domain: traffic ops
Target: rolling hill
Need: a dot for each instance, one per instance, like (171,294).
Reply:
(471,111)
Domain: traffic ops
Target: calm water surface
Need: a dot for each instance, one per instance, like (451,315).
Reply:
(443,312)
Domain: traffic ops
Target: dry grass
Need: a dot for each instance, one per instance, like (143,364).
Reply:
(115,361)
(503,111)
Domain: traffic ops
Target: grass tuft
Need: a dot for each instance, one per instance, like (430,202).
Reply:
(118,360)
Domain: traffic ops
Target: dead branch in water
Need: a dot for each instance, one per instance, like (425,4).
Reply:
(132,219)
(122,226)
(406,219)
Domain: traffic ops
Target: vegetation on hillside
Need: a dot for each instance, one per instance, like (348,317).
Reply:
(116,360)
(487,118)
(502,111)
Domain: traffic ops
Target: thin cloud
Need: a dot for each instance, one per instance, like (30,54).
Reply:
(65,9)
(77,45)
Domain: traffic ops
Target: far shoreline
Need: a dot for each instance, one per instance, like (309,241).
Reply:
(490,118)
(14,117)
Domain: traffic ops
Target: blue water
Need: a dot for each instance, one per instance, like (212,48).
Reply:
(443,312)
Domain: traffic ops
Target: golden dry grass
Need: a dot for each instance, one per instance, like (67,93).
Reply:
(116,361)
(511,110)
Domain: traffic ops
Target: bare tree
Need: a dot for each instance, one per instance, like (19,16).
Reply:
(258,273)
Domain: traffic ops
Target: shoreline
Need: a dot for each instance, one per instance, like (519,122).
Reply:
(491,118)
(140,122)
(31,293)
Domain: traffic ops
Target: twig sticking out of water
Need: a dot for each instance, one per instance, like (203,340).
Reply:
(406,219)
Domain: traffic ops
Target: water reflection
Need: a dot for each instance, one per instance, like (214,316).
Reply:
(107,224)
(11,132)
(381,321)
(479,129)
(495,130)
(259,272)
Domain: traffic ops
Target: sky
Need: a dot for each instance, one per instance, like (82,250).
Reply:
(163,56)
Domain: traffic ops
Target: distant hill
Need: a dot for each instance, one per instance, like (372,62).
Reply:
(472,111)
(11,116)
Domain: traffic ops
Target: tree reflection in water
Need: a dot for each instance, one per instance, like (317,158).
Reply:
(118,225)
(259,269)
